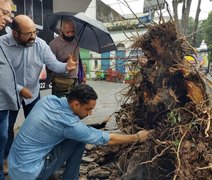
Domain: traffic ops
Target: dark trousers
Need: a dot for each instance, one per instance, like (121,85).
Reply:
(63,92)
(12,119)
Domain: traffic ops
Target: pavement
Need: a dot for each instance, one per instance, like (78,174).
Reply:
(108,102)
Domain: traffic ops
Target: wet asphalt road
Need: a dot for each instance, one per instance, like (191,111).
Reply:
(108,102)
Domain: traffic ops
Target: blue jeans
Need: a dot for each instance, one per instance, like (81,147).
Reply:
(12,119)
(4,115)
(69,152)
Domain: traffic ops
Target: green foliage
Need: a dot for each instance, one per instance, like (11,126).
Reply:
(190,25)
(199,33)
(176,142)
(173,118)
(210,54)
(208,30)
(208,35)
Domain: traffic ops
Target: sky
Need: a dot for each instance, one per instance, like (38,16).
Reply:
(137,7)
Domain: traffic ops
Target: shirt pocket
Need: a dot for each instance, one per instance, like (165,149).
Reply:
(34,67)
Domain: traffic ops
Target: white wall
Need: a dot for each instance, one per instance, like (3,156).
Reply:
(120,37)
(70,5)
(91,10)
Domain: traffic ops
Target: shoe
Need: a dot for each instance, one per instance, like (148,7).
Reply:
(5,167)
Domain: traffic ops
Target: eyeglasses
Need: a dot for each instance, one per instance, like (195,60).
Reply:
(7,13)
(29,34)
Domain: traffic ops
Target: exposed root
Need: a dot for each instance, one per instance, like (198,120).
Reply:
(158,155)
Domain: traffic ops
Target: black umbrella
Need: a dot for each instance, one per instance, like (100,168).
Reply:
(91,34)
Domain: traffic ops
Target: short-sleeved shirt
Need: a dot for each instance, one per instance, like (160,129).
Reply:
(50,122)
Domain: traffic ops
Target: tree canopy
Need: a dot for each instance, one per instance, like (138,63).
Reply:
(208,36)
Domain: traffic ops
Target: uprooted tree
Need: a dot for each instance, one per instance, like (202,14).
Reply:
(170,96)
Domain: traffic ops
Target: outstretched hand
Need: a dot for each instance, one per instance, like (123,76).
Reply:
(71,63)
(143,135)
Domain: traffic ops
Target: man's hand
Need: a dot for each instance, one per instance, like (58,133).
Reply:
(26,93)
(143,135)
(140,136)
(71,63)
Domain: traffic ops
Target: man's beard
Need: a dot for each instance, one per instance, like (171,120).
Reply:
(67,38)
(28,43)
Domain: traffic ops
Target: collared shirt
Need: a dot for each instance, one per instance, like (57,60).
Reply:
(28,63)
(50,122)
(8,90)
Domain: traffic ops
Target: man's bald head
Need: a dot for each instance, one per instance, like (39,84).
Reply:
(23,23)
(67,29)
(24,30)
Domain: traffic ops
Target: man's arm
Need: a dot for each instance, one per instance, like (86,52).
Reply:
(124,138)
(53,64)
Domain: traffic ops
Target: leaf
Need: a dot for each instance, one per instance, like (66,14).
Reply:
(172,118)
(176,142)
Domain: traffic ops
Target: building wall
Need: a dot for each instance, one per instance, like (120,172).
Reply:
(122,36)
(85,56)
(91,10)
(70,5)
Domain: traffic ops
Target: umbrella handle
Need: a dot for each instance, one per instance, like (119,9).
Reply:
(80,35)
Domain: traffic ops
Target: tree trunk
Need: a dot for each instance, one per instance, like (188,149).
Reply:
(175,5)
(185,15)
(196,22)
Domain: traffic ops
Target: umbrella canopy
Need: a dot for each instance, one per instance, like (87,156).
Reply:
(91,34)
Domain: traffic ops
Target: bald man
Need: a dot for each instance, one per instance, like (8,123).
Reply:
(62,46)
(28,53)
(8,93)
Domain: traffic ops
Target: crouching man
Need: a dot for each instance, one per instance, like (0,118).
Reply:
(53,134)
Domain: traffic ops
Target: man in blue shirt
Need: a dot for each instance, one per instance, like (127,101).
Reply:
(53,133)
(28,53)
(8,90)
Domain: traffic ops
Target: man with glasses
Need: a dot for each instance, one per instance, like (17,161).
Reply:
(6,15)
(8,93)
(28,53)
